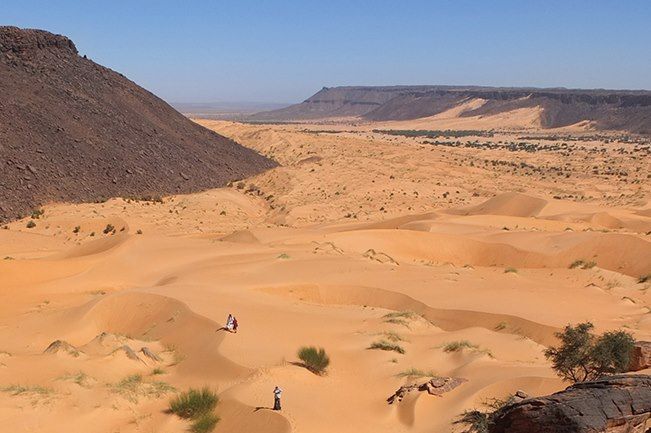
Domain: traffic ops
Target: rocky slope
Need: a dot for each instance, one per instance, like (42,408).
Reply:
(72,130)
(614,404)
(607,109)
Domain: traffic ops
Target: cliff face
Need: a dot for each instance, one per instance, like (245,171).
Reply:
(617,110)
(610,405)
(72,130)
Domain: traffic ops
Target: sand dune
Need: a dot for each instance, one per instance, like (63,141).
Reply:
(358,237)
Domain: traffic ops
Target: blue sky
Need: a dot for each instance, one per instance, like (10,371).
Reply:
(284,51)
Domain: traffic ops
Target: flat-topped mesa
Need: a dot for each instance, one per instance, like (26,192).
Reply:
(22,41)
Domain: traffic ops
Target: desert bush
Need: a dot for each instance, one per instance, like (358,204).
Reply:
(456,346)
(479,421)
(583,356)
(385,345)
(582,264)
(204,423)
(31,224)
(36,213)
(510,270)
(644,278)
(315,360)
(194,403)
(76,229)
(108,229)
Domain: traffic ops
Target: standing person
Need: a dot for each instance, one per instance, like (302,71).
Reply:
(229,323)
(277,394)
(235,324)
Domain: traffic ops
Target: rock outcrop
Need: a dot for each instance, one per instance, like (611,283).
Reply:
(435,386)
(72,130)
(617,404)
(61,346)
(640,356)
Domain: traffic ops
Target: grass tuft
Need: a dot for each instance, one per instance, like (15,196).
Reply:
(415,373)
(315,360)
(456,346)
(194,403)
(385,345)
(582,264)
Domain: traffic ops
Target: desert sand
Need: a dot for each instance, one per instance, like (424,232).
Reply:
(358,236)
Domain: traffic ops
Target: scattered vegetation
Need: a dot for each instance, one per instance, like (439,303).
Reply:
(81,379)
(76,229)
(315,360)
(510,270)
(31,224)
(157,371)
(386,345)
(133,386)
(20,390)
(37,213)
(399,318)
(415,373)
(198,406)
(456,346)
(109,229)
(583,356)
(392,336)
(582,264)
(480,421)
(283,256)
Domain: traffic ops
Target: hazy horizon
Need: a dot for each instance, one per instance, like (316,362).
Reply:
(284,51)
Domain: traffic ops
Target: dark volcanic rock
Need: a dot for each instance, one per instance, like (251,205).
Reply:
(607,109)
(641,356)
(618,404)
(72,130)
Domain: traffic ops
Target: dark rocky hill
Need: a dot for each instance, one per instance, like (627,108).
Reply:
(609,109)
(72,130)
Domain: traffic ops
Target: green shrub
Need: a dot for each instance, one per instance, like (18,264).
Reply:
(315,360)
(194,403)
(385,345)
(479,421)
(582,356)
(204,423)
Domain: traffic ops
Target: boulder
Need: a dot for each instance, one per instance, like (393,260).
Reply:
(640,356)
(616,404)
(435,386)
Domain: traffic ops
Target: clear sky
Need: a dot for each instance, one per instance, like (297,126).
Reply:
(284,50)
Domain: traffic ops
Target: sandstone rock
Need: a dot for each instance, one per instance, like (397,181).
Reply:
(149,354)
(616,404)
(435,386)
(63,347)
(641,356)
